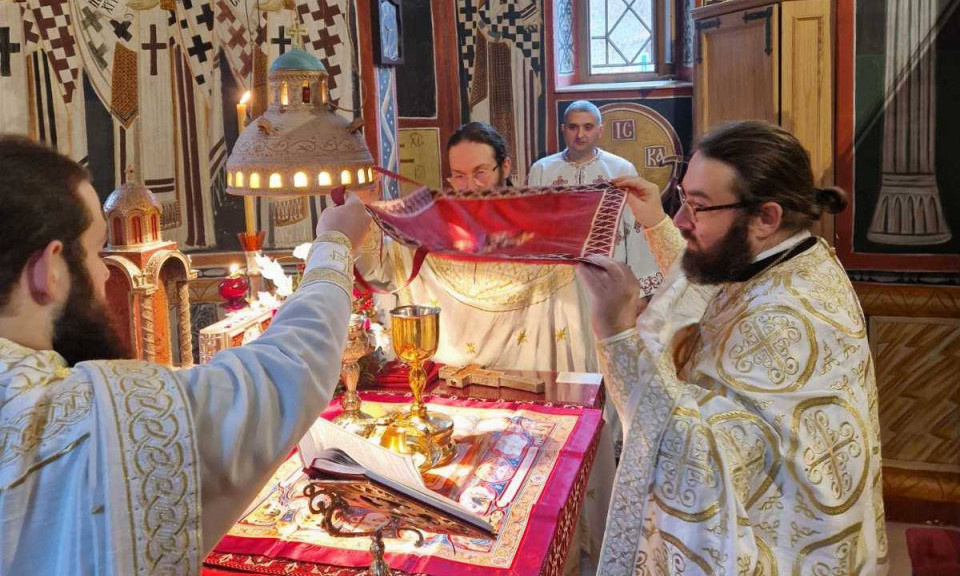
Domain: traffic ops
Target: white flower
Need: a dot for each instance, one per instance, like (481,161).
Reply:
(302,251)
(267,300)
(381,338)
(273,271)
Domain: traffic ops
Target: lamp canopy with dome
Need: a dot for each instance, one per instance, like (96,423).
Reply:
(299,146)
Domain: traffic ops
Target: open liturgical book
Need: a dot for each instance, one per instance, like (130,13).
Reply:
(330,453)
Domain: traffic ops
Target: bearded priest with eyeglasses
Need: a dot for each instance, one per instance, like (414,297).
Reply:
(746,387)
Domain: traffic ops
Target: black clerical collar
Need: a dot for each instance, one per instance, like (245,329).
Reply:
(780,257)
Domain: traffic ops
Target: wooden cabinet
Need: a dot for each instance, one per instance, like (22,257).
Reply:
(769,60)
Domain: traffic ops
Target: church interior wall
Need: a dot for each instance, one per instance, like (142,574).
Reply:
(909,290)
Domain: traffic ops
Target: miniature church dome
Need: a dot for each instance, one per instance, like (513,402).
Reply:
(300,145)
(133,216)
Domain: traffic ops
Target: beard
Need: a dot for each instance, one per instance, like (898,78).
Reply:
(726,262)
(84,331)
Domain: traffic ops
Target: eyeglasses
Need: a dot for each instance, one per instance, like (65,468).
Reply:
(482,177)
(693,210)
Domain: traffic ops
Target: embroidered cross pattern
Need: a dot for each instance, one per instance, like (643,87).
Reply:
(320,21)
(224,13)
(767,341)
(121,30)
(55,26)
(206,17)
(199,49)
(281,41)
(7,48)
(519,26)
(829,452)
(91,19)
(98,51)
(153,46)
(748,456)
(466,20)
(237,37)
(685,453)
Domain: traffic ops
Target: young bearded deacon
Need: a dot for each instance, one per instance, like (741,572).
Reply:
(113,466)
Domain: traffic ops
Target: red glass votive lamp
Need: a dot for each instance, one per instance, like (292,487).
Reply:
(234,290)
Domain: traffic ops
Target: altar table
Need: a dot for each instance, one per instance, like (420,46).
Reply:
(522,464)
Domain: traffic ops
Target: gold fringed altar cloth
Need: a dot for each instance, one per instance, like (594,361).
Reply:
(523,467)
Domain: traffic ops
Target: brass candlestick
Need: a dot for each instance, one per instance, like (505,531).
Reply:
(428,437)
(353,419)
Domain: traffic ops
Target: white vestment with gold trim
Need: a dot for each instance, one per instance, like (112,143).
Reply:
(129,468)
(752,443)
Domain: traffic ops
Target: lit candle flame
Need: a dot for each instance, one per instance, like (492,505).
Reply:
(245,98)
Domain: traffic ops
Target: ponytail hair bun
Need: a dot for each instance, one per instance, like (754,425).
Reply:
(832,199)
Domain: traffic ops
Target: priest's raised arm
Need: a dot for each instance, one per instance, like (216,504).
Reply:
(114,466)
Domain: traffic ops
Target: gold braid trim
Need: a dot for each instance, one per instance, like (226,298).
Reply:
(158,453)
(333,237)
(666,243)
(328,275)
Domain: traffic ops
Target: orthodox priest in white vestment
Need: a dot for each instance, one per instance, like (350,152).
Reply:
(128,467)
(752,444)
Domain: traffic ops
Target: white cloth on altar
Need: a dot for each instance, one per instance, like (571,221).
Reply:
(498,314)
(127,467)
(631,246)
(752,442)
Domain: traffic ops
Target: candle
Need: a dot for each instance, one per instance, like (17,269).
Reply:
(249,208)
(242,110)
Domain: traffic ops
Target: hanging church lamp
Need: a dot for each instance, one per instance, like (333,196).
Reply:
(300,146)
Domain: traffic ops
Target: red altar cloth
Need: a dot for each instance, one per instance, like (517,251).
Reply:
(528,480)
(534,225)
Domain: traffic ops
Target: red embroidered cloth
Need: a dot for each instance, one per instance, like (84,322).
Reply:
(523,467)
(535,225)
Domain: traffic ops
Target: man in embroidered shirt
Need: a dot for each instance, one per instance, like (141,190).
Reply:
(119,467)
(583,162)
(746,387)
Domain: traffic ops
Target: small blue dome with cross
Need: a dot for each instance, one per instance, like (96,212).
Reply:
(297,59)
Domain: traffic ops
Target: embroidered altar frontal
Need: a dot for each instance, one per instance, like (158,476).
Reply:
(522,467)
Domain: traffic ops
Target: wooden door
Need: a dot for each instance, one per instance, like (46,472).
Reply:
(807,81)
(807,87)
(737,67)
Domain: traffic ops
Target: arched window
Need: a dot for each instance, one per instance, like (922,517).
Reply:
(136,229)
(305,92)
(117,231)
(154,228)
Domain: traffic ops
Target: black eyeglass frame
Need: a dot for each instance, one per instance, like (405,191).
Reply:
(696,209)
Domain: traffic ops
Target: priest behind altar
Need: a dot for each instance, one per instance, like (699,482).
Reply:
(746,387)
(584,162)
(497,314)
(124,467)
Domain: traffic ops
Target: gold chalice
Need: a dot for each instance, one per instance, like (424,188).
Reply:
(352,419)
(428,437)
